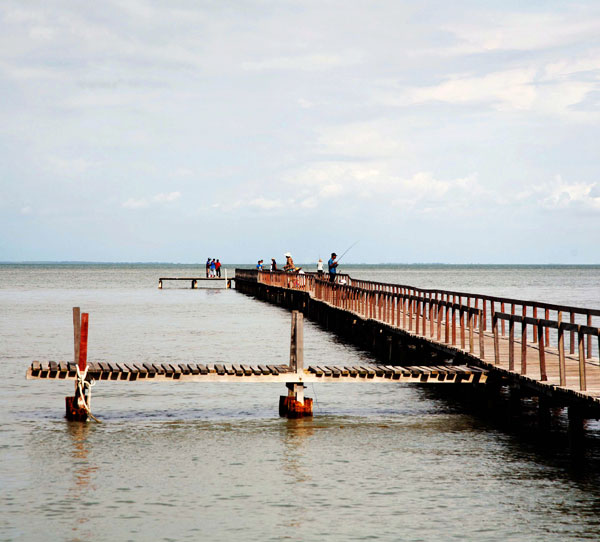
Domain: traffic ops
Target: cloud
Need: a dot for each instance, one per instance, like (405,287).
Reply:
(560,195)
(26,210)
(70,166)
(501,31)
(307,62)
(132,203)
(265,203)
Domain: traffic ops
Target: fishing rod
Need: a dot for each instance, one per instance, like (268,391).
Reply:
(353,244)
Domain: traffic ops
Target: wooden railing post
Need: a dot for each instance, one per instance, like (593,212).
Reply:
(481,337)
(580,348)
(484,316)
(511,344)
(561,352)
(589,341)
(572,337)
(523,346)
(496,342)
(453,322)
(540,338)
(462,326)
(470,316)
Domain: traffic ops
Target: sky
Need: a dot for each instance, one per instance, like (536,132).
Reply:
(171,131)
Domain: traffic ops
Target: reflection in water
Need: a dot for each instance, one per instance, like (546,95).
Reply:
(295,440)
(82,475)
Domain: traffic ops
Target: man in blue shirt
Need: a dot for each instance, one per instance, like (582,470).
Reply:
(332,264)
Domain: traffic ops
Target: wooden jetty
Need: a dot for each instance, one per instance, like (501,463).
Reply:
(293,374)
(546,350)
(211,282)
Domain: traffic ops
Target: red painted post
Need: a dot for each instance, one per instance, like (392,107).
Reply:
(84,341)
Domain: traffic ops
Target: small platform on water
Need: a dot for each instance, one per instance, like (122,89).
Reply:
(210,282)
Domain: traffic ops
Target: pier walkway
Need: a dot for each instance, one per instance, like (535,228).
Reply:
(548,348)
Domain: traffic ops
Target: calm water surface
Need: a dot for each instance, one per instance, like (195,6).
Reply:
(177,461)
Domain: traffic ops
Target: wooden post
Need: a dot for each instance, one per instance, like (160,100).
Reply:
(502,310)
(76,333)
(447,323)
(484,316)
(523,347)
(75,410)
(84,341)
(481,337)
(589,341)
(496,343)
(297,343)
(294,404)
(453,322)
(534,331)
(540,337)
(511,344)
(561,352)
(572,341)
(462,327)
(470,317)
(582,376)
(160,284)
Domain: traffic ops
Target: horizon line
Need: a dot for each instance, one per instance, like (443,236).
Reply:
(91,262)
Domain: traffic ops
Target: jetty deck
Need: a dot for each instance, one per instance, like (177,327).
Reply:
(551,349)
(216,372)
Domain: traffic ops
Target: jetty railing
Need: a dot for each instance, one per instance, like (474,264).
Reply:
(460,318)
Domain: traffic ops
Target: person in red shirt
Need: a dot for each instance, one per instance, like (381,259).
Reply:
(218,268)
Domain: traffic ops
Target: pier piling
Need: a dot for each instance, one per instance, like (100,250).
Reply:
(75,409)
(294,404)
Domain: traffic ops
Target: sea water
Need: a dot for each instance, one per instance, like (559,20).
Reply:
(194,461)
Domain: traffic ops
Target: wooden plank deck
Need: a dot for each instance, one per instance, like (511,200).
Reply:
(263,373)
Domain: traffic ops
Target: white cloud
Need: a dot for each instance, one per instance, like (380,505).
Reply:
(361,139)
(26,210)
(510,89)
(132,203)
(266,203)
(501,31)
(171,196)
(558,194)
(307,62)
(135,203)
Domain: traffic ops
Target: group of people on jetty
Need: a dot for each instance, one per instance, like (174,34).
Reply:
(290,267)
(213,269)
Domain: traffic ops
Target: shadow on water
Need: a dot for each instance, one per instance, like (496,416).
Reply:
(527,436)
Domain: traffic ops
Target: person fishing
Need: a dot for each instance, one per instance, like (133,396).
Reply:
(289,266)
(332,265)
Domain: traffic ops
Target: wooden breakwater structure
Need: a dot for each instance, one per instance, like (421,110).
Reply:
(294,374)
(532,348)
(210,282)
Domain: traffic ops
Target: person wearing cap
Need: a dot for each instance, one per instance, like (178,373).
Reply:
(332,264)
